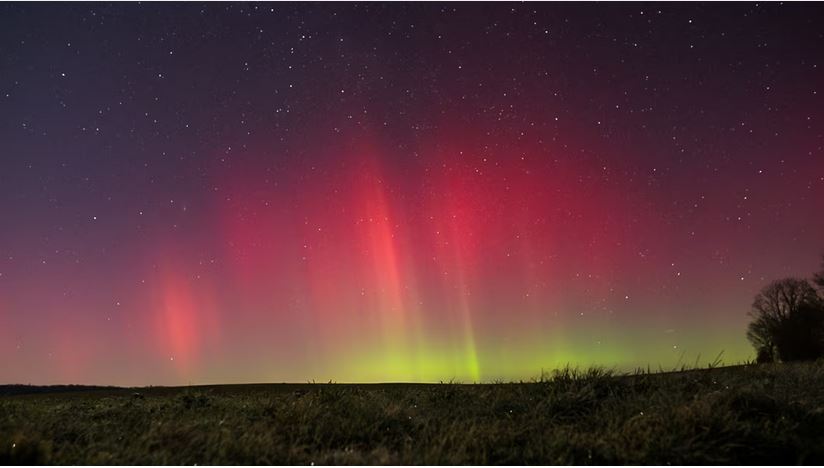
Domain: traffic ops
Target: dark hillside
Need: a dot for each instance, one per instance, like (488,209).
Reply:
(767,414)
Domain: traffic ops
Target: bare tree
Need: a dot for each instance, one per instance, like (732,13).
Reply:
(761,334)
(788,321)
(779,299)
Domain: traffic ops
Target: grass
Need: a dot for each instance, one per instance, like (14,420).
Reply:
(765,414)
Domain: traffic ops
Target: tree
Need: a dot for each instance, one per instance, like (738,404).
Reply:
(788,322)
(801,336)
(760,333)
(764,356)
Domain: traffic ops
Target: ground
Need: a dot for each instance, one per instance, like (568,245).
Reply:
(751,414)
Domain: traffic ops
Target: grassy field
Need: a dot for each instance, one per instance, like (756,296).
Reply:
(763,414)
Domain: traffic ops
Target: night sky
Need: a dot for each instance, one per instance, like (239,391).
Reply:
(380,192)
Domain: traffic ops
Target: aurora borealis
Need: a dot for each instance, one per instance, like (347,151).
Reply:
(252,192)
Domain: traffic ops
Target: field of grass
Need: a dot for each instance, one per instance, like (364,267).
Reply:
(762,414)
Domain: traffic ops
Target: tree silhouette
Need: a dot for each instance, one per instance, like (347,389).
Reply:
(760,333)
(788,322)
(801,336)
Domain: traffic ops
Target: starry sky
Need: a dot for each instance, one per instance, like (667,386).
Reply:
(256,192)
